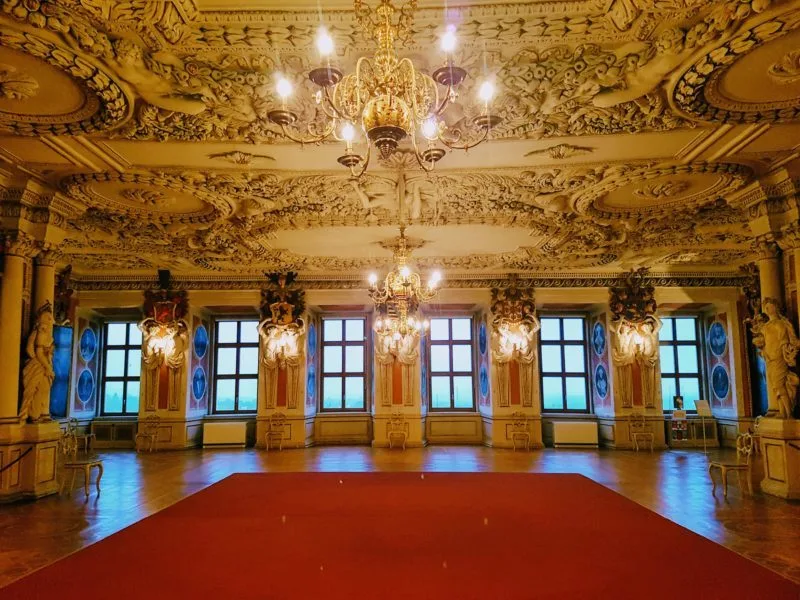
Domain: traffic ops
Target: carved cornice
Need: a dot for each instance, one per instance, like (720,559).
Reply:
(357,282)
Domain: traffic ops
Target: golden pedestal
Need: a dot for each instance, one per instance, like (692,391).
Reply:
(780,454)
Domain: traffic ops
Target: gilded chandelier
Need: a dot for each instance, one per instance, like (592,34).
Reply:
(397,301)
(387,97)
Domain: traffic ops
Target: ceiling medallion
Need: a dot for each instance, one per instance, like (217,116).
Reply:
(387,98)
(398,300)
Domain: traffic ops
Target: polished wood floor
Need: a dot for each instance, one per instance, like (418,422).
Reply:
(675,484)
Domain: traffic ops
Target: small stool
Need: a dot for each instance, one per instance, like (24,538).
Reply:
(86,466)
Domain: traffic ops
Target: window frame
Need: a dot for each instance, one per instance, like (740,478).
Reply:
(238,345)
(367,371)
(450,342)
(125,378)
(561,343)
(699,344)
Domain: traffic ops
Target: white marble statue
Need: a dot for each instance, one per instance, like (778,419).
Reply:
(778,343)
(38,374)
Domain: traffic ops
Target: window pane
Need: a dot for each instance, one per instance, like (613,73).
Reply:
(687,359)
(332,330)
(354,359)
(134,335)
(462,392)
(249,332)
(332,392)
(573,329)
(550,329)
(685,329)
(226,332)
(134,363)
(332,359)
(116,334)
(552,393)
(665,334)
(462,329)
(248,361)
(132,400)
(112,400)
(440,358)
(462,358)
(576,393)
(354,392)
(668,390)
(690,390)
(226,361)
(551,358)
(226,393)
(439,329)
(115,363)
(667,360)
(248,394)
(354,330)
(574,361)
(440,392)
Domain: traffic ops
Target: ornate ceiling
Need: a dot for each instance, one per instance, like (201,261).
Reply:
(634,133)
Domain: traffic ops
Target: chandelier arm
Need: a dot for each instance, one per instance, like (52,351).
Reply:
(418,155)
(313,139)
(445,101)
(419,114)
(329,103)
(363,169)
(466,145)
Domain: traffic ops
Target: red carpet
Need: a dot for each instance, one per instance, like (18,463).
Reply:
(398,535)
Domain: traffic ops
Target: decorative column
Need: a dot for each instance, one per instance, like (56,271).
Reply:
(16,249)
(165,350)
(635,357)
(284,412)
(769,268)
(516,413)
(398,392)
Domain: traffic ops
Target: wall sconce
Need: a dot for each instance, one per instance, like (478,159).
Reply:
(636,340)
(163,342)
(514,339)
(282,344)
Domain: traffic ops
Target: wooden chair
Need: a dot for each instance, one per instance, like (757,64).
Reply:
(148,431)
(69,449)
(520,430)
(397,429)
(640,431)
(84,438)
(744,452)
(276,430)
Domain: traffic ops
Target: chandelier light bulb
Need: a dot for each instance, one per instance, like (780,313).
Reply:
(429,128)
(284,88)
(373,279)
(426,324)
(324,42)
(348,133)
(405,272)
(379,324)
(486,92)
(448,41)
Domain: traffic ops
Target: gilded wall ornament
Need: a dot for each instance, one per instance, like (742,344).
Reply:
(787,70)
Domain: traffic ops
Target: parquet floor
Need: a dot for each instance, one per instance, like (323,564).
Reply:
(675,484)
